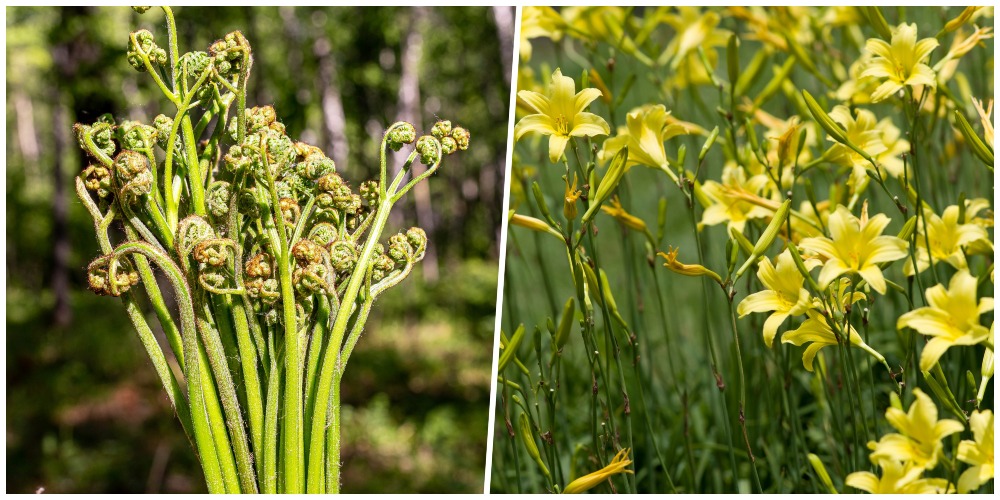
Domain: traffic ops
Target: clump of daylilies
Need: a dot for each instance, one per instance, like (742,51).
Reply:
(853,176)
(273,259)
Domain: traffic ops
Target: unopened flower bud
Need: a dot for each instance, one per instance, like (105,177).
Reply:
(461,137)
(194,63)
(98,179)
(307,252)
(324,234)
(290,210)
(144,45)
(399,248)
(369,192)
(398,135)
(217,199)
(418,240)
(259,266)
(133,174)
(135,135)
(343,256)
(441,129)
(316,166)
(429,150)
(213,251)
(448,145)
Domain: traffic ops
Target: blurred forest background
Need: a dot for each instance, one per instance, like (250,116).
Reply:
(85,412)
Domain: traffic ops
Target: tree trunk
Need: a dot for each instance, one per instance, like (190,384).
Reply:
(409,110)
(333,108)
(62,314)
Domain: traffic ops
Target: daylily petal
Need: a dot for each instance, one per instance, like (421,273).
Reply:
(589,124)
(541,124)
(831,270)
(585,97)
(537,102)
(885,90)
(763,301)
(771,325)
(932,352)
(923,48)
(864,481)
(810,355)
(878,47)
(557,144)
(873,275)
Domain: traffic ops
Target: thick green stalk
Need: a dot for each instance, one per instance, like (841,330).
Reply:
(333,441)
(251,378)
(230,402)
(220,438)
(293,445)
(269,478)
(167,378)
(192,374)
(316,349)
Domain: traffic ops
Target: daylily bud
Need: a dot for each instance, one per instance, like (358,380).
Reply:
(767,237)
(708,144)
(528,439)
(510,349)
(565,323)
(609,183)
(533,224)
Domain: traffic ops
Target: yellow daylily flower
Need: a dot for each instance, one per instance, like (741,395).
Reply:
(918,442)
(892,158)
(770,24)
(984,117)
(572,196)
(617,466)
(687,269)
(951,317)
(727,202)
(539,22)
(694,29)
(560,115)
(629,220)
(961,45)
(901,63)
(785,295)
(594,22)
(897,477)
(645,132)
(817,333)
(856,89)
(857,247)
(947,237)
(882,141)
(978,453)
(807,223)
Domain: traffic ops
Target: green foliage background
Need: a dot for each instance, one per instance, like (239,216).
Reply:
(84,409)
